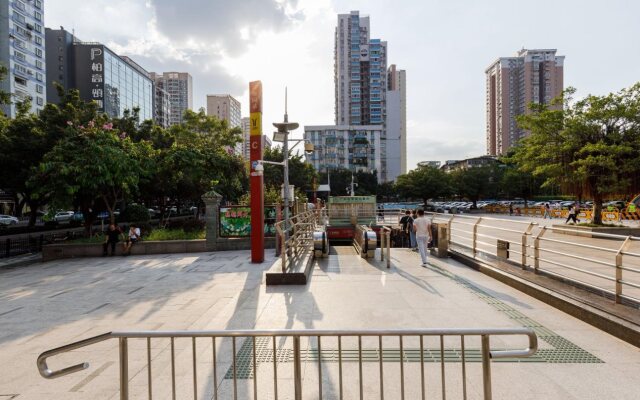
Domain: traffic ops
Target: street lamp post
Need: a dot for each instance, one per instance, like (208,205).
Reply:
(283,129)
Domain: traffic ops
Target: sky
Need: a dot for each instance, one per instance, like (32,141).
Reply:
(444,45)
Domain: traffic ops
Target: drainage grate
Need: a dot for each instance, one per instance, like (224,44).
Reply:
(563,351)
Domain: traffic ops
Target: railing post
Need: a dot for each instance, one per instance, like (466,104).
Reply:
(475,237)
(297,372)
(124,369)
(389,249)
(486,367)
(383,234)
(536,249)
(619,255)
(524,245)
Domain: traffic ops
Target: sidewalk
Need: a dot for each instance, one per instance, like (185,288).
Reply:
(55,303)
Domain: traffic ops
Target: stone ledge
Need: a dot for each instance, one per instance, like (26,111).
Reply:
(299,275)
(73,250)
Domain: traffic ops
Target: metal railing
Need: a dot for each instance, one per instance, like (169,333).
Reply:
(297,238)
(608,264)
(17,245)
(318,349)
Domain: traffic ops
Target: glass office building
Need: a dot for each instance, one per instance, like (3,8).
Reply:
(126,87)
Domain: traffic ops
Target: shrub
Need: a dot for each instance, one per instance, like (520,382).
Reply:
(193,225)
(175,234)
(135,213)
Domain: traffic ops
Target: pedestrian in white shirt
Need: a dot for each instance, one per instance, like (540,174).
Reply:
(422,228)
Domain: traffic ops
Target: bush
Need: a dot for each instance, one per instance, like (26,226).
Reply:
(175,234)
(135,213)
(193,225)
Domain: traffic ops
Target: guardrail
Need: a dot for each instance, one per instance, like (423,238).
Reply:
(608,264)
(322,349)
(297,237)
(14,246)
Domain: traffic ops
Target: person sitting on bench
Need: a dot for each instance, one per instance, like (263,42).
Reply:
(134,236)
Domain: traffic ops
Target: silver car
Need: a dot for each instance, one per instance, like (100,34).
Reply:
(63,216)
(8,220)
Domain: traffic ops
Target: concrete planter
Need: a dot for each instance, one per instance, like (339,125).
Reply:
(586,231)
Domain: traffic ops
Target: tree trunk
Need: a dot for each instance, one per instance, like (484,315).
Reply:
(597,210)
(33,212)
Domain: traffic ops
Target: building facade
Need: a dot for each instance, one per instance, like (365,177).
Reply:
(23,53)
(161,107)
(360,72)
(355,148)
(512,83)
(115,83)
(396,123)
(225,107)
(179,85)
(431,164)
(475,162)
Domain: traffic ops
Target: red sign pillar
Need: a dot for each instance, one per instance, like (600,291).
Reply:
(256,180)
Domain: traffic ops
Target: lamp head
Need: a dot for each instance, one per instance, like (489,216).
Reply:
(308,148)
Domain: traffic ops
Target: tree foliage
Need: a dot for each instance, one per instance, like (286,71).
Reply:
(424,183)
(589,147)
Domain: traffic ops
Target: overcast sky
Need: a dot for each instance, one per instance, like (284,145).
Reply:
(444,46)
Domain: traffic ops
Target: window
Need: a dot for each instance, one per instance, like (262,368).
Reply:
(20,56)
(23,31)
(19,44)
(39,40)
(38,4)
(39,53)
(37,15)
(38,28)
(20,81)
(39,101)
(39,88)
(20,5)
(19,17)
(39,76)
(38,64)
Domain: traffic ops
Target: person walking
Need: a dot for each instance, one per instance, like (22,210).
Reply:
(547,211)
(110,239)
(406,222)
(572,215)
(422,228)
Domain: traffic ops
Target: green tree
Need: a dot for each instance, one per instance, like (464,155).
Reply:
(477,182)
(96,163)
(301,174)
(589,147)
(423,183)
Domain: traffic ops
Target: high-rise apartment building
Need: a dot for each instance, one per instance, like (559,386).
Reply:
(360,72)
(396,123)
(225,107)
(161,107)
(22,52)
(115,83)
(532,76)
(180,88)
(245,123)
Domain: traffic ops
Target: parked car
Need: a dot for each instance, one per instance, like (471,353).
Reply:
(63,216)
(8,220)
(619,204)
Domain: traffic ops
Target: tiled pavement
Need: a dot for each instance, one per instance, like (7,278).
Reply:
(46,305)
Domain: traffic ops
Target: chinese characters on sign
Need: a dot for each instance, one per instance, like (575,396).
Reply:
(96,76)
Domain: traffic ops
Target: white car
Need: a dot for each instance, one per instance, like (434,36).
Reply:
(8,220)
(63,216)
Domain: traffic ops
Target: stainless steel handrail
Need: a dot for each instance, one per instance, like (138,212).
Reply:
(298,236)
(540,248)
(296,335)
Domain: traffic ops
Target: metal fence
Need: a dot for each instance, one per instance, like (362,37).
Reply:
(337,363)
(604,263)
(15,246)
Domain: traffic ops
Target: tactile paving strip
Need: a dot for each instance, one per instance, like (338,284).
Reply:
(562,352)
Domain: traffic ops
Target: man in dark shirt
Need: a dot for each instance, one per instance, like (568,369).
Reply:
(111,238)
(407,223)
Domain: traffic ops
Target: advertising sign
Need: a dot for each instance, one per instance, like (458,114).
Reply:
(235,221)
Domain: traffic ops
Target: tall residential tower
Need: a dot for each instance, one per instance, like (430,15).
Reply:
(22,52)
(532,76)
(179,85)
